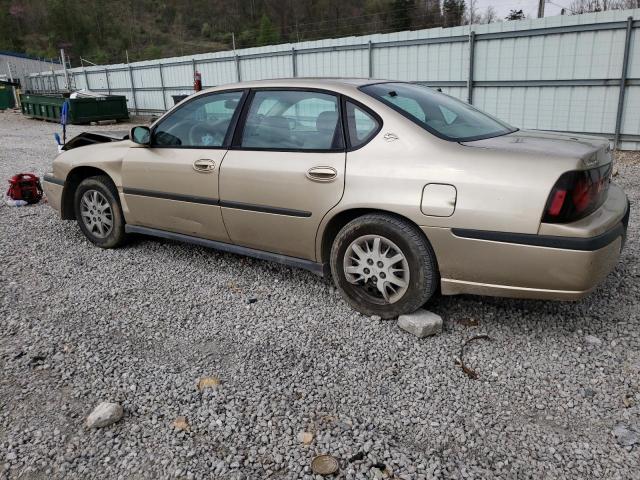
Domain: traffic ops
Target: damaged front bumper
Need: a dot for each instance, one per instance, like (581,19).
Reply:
(53,188)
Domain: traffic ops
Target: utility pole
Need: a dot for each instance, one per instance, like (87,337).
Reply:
(541,8)
(63,58)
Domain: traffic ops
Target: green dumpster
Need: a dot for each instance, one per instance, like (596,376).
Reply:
(6,97)
(81,110)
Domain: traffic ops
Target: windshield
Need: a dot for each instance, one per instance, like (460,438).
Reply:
(440,114)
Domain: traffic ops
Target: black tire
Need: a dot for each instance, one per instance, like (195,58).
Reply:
(423,268)
(105,187)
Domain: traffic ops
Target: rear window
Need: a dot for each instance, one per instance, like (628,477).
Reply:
(440,114)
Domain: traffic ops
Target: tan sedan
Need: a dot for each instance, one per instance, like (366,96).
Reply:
(394,189)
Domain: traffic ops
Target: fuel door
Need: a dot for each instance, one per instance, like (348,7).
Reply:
(438,200)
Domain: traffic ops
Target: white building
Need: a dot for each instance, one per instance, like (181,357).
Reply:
(18,66)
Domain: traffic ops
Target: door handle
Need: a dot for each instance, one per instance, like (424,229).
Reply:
(322,174)
(204,165)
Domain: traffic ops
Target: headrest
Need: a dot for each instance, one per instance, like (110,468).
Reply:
(326,122)
(275,128)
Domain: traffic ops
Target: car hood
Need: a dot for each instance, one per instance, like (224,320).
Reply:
(591,150)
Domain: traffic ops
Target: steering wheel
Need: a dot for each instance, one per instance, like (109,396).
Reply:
(205,135)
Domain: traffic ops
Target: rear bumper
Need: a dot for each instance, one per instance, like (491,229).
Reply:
(53,188)
(527,266)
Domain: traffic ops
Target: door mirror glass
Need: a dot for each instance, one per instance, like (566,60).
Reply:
(140,135)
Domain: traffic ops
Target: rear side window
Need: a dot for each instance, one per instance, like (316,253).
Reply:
(362,125)
(442,115)
(202,122)
(293,120)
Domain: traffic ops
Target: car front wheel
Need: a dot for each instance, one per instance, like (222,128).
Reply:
(98,211)
(383,265)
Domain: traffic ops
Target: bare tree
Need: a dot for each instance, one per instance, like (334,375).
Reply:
(471,14)
(587,6)
(489,16)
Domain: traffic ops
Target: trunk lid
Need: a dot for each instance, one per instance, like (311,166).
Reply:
(591,151)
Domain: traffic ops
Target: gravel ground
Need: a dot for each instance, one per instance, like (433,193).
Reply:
(142,324)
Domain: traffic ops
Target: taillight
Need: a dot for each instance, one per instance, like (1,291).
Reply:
(577,194)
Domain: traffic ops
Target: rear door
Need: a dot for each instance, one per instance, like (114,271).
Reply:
(172,185)
(285,170)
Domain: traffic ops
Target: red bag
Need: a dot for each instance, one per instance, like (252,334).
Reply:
(25,186)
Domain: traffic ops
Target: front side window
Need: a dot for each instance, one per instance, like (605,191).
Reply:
(440,114)
(202,122)
(293,120)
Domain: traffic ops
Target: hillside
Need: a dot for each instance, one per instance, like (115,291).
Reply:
(103,31)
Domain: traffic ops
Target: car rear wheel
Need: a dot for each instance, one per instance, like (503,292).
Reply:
(98,211)
(383,265)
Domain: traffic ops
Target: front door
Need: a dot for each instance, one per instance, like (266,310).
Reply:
(172,185)
(285,171)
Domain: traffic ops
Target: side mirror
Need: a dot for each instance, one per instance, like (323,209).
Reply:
(140,135)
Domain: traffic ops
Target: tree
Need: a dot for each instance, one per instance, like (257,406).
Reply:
(587,6)
(453,12)
(400,14)
(489,15)
(267,34)
(471,15)
(515,15)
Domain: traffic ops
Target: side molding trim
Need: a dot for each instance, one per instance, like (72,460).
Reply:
(214,201)
(550,241)
(264,209)
(170,196)
(317,268)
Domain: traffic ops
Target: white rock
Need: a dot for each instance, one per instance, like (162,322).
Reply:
(592,340)
(625,436)
(105,414)
(421,323)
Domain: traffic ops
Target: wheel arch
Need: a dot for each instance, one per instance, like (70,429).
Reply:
(74,177)
(340,219)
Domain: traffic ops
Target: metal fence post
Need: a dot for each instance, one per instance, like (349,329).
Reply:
(237,60)
(133,91)
(162,89)
(623,82)
(370,64)
(472,42)
(294,66)
(106,76)
(52,79)
(193,63)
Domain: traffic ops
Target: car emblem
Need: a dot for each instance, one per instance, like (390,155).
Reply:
(592,160)
(390,137)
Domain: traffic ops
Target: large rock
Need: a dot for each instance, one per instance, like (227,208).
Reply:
(421,323)
(625,436)
(104,415)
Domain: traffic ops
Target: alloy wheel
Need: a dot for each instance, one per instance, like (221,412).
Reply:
(96,213)
(377,266)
